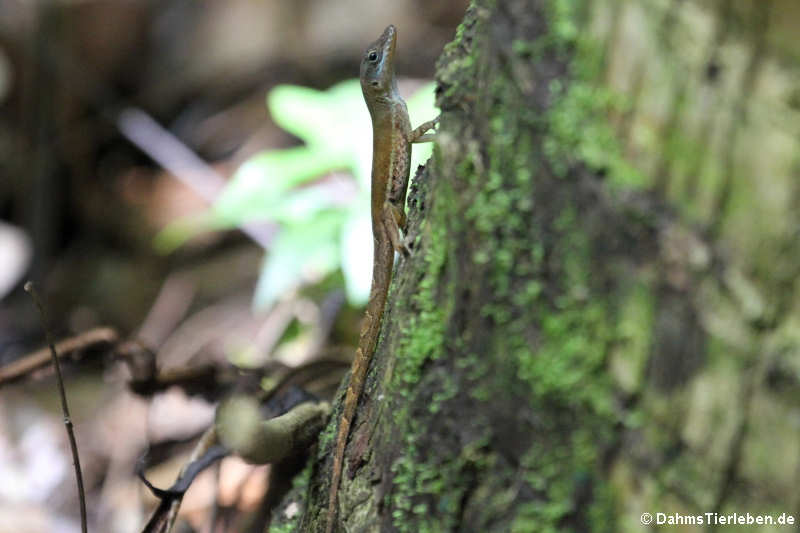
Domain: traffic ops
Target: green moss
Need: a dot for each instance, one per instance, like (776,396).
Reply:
(281,524)
(579,132)
(500,214)
(422,340)
(578,128)
(328,434)
(447,390)
(421,484)
(545,466)
(566,366)
(450,72)
(634,327)
(561,17)
(423,337)
(604,502)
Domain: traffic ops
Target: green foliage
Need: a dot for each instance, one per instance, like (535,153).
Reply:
(320,231)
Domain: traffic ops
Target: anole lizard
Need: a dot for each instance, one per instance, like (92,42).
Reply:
(391,154)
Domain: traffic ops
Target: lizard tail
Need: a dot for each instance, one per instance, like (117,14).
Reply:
(368,339)
(338,457)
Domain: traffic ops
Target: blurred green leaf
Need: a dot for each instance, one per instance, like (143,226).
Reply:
(260,186)
(356,239)
(181,230)
(335,127)
(302,251)
(332,121)
(421,107)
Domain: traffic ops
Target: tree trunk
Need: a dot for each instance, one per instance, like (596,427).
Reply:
(538,346)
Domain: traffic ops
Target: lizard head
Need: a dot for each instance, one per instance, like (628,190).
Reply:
(377,66)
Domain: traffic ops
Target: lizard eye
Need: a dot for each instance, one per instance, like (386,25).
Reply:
(373,56)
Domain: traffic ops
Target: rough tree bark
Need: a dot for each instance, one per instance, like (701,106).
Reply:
(531,370)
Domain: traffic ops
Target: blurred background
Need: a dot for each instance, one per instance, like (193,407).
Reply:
(122,122)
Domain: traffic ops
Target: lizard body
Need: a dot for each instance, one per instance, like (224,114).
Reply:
(391,155)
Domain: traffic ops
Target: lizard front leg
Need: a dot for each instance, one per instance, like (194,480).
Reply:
(420,135)
(394,220)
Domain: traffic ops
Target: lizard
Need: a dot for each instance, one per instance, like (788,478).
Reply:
(392,137)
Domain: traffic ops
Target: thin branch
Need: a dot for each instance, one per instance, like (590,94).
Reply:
(31,289)
(163,518)
(102,337)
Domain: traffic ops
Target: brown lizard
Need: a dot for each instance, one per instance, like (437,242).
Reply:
(391,154)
